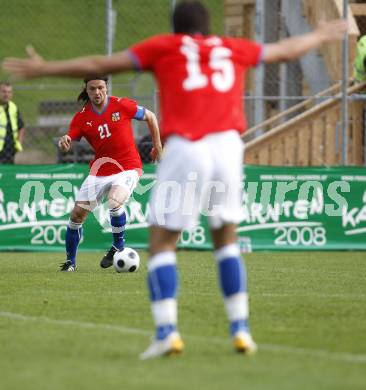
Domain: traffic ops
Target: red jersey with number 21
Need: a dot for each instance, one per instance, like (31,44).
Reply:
(201,81)
(110,135)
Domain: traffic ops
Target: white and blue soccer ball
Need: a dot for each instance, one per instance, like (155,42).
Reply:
(127,260)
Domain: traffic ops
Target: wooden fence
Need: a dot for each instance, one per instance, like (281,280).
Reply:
(313,136)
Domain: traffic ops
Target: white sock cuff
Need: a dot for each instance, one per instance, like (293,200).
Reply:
(237,307)
(74,225)
(117,211)
(164,312)
(161,259)
(231,250)
(118,229)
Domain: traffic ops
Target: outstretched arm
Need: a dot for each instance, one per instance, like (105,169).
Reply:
(35,66)
(294,47)
(152,123)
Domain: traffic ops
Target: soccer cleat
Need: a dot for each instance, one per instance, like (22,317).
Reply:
(171,345)
(243,343)
(107,260)
(67,266)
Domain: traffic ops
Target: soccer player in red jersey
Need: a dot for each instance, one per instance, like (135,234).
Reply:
(201,82)
(105,122)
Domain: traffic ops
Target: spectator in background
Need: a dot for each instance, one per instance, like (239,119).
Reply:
(11,125)
(144,147)
(359,66)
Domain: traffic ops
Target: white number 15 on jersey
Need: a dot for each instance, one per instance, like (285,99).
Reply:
(220,60)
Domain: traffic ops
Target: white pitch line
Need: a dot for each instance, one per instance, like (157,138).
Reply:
(317,353)
(80,324)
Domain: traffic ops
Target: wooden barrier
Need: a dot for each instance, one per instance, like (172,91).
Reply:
(313,137)
(316,11)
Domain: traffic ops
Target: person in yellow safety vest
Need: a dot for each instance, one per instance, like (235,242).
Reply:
(11,125)
(359,68)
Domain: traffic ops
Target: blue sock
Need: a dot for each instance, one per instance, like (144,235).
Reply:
(239,325)
(118,222)
(233,283)
(232,276)
(163,331)
(163,285)
(74,233)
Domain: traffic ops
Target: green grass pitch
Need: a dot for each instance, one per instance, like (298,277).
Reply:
(84,330)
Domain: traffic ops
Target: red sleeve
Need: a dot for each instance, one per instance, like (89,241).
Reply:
(129,107)
(246,52)
(145,53)
(75,131)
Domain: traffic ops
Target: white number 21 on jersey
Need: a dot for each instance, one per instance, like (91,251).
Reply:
(104,131)
(220,60)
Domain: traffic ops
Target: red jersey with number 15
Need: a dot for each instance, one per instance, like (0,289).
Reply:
(110,135)
(201,81)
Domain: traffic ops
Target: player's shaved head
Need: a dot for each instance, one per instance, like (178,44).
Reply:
(190,17)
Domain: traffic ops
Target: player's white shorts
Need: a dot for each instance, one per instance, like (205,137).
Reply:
(199,176)
(94,188)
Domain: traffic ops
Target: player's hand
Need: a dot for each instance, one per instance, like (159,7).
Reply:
(156,153)
(25,68)
(333,30)
(64,143)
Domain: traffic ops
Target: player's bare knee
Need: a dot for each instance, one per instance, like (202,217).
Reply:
(224,235)
(79,213)
(162,240)
(114,203)
(117,197)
